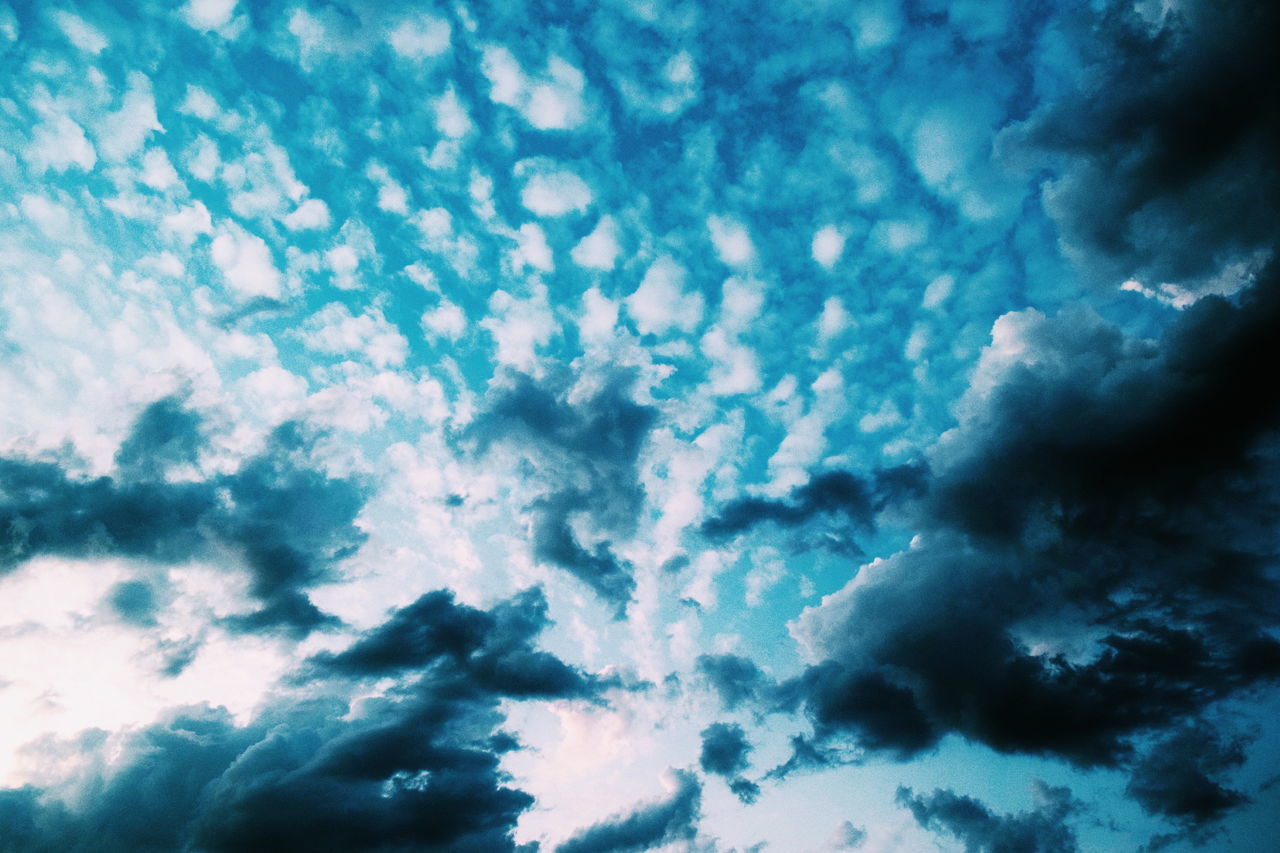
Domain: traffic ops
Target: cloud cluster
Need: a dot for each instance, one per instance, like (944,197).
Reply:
(414,768)
(283,520)
(584,452)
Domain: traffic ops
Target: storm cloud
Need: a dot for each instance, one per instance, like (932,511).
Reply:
(286,522)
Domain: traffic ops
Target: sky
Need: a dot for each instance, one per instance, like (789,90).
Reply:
(639,425)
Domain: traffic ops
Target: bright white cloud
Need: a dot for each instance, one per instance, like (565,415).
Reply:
(310,215)
(421,37)
(732,241)
(828,246)
(208,14)
(336,331)
(660,303)
(519,327)
(80,32)
(599,249)
(123,132)
(59,143)
(446,321)
(550,190)
(245,262)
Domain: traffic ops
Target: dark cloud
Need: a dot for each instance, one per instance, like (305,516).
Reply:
(672,819)
(834,493)
(724,752)
(735,678)
(809,754)
(585,454)
(1179,777)
(724,749)
(493,649)
(1096,560)
(1166,167)
(414,769)
(1041,830)
(289,522)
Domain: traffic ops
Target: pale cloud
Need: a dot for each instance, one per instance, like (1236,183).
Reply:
(199,103)
(828,246)
(833,320)
(732,241)
(189,222)
(598,324)
(532,249)
(157,170)
(80,32)
(452,119)
(208,14)
(53,220)
(599,249)
(550,190)
(123,132)
(660,303)
(246,263)
(59,143)
(392,196)
(421,37)
(446,321)
(336,331)
(201,159)
(310,215)
(550,101)
(519,327)
(938,291)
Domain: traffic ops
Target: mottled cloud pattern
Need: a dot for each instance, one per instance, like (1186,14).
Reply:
(639,426)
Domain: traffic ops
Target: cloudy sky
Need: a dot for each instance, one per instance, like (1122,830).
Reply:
(637,425)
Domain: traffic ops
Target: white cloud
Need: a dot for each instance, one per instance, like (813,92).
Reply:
(598,324)
(519,327)
(245,262)
(732,241)
(392,196)
(199,103)
(938,291)
(201,159)
(532,249)
(123,132)
(208,14)
(550,190)
(828,246)
(884,417)
(59,143)
(311,214)
(421,37)
(599,249)
(833,320)
(157,170)
(336,331)
(660,303)
(80,32)
(53,220)
(556,102)
(189,222)
(551,101)
(446,320)
(452,119)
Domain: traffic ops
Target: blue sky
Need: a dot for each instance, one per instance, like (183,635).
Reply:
(638,425)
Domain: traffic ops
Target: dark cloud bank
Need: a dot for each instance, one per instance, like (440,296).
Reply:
(284,521)
(416,769)
(1097,559)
